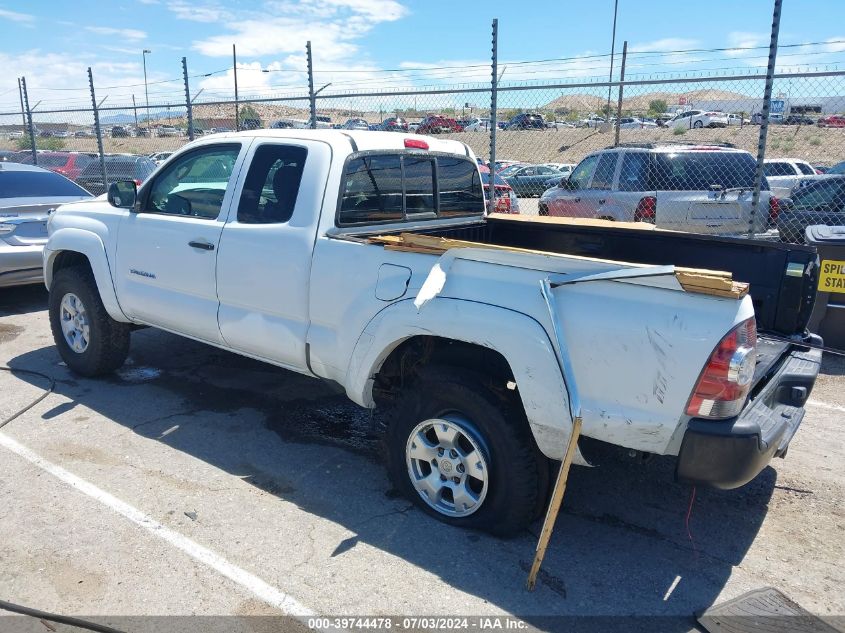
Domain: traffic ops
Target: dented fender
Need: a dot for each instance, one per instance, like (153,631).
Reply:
(522,341)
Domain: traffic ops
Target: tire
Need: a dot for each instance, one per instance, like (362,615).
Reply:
(698,125)
(516,473)
(542,209)
(107,343)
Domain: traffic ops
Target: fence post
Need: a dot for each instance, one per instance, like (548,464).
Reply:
(311,96)
(621,87)
(23,111)
(494,85)
(98,130)
(764,122)
(188,99)
(235,67)
(29,122)
(135,110)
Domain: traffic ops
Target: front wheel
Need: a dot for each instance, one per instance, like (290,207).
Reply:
(89,341)
(698,125)
(463,455)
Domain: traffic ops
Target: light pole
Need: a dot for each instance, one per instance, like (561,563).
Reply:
(146,93)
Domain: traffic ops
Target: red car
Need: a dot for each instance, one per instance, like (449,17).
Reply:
(438,125)
(68,164)
(506,200)
(834,120)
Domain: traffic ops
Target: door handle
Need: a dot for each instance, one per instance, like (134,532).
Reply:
(577,199)
(602,201)
(205,246)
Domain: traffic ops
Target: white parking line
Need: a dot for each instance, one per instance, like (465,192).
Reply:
(272,596)
(825,405)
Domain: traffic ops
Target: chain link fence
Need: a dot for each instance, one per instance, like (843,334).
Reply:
(680,153)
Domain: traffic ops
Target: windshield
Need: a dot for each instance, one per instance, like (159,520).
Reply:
(34,184)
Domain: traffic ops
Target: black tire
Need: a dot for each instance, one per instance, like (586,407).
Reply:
(542,209)
(698,125)
(108,344)
(518,473)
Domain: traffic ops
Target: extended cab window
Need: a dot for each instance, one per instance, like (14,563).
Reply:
(395,187)
(272,184)
(194,184)
(460,187)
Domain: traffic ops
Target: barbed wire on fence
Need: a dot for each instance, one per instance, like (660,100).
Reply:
(553,119)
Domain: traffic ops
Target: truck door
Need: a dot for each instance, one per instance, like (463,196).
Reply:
(167,249)
(264,260)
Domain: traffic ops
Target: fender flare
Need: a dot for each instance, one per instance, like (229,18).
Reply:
(91,246)
(522,341)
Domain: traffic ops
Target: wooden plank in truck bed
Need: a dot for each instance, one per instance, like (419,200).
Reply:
(708,282)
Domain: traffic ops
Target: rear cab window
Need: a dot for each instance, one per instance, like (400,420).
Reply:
(382,187)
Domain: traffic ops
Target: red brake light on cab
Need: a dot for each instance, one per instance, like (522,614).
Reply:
(415,143)
(726,379)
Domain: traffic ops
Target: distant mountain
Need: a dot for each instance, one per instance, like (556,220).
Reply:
(121,119)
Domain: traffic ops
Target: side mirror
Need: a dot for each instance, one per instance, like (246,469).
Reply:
(122,194)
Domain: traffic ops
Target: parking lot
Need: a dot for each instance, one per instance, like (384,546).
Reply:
(196,482)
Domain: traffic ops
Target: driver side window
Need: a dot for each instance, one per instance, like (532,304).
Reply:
(582,174)
(194,184)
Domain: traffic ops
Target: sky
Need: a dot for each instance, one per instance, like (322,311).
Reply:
(375,44)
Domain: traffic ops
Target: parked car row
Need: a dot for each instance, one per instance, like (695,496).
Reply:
(85,170)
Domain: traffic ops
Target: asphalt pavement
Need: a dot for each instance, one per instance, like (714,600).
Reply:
(199,483)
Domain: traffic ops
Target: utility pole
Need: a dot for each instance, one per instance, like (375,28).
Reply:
(494,85)
(29,120)
(98,130)
(764,122)
(23,111)
(619,104)
(311,96)
(235,66)
(612,51)
(188,99)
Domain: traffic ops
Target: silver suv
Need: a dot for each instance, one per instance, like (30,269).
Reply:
(683,187)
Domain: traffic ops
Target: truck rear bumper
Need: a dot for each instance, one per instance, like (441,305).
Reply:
(730,453)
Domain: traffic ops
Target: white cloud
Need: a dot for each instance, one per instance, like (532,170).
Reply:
(745,40)
(14,16)
(127,34)
(665,44)
(197,12)
(834,44)
(332,26)
(148,1)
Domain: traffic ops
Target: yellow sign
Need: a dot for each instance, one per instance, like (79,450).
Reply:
(832,278)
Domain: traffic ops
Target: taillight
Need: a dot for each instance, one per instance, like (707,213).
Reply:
(646,210)
(503,200)
(726,379)
(774,210)
(414,143)
(138,182)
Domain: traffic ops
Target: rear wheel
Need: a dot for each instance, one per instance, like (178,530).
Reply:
(542,209)
(698,125)
(89,341)
(463,455)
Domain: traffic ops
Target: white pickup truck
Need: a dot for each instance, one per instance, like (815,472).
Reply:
(366,259)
